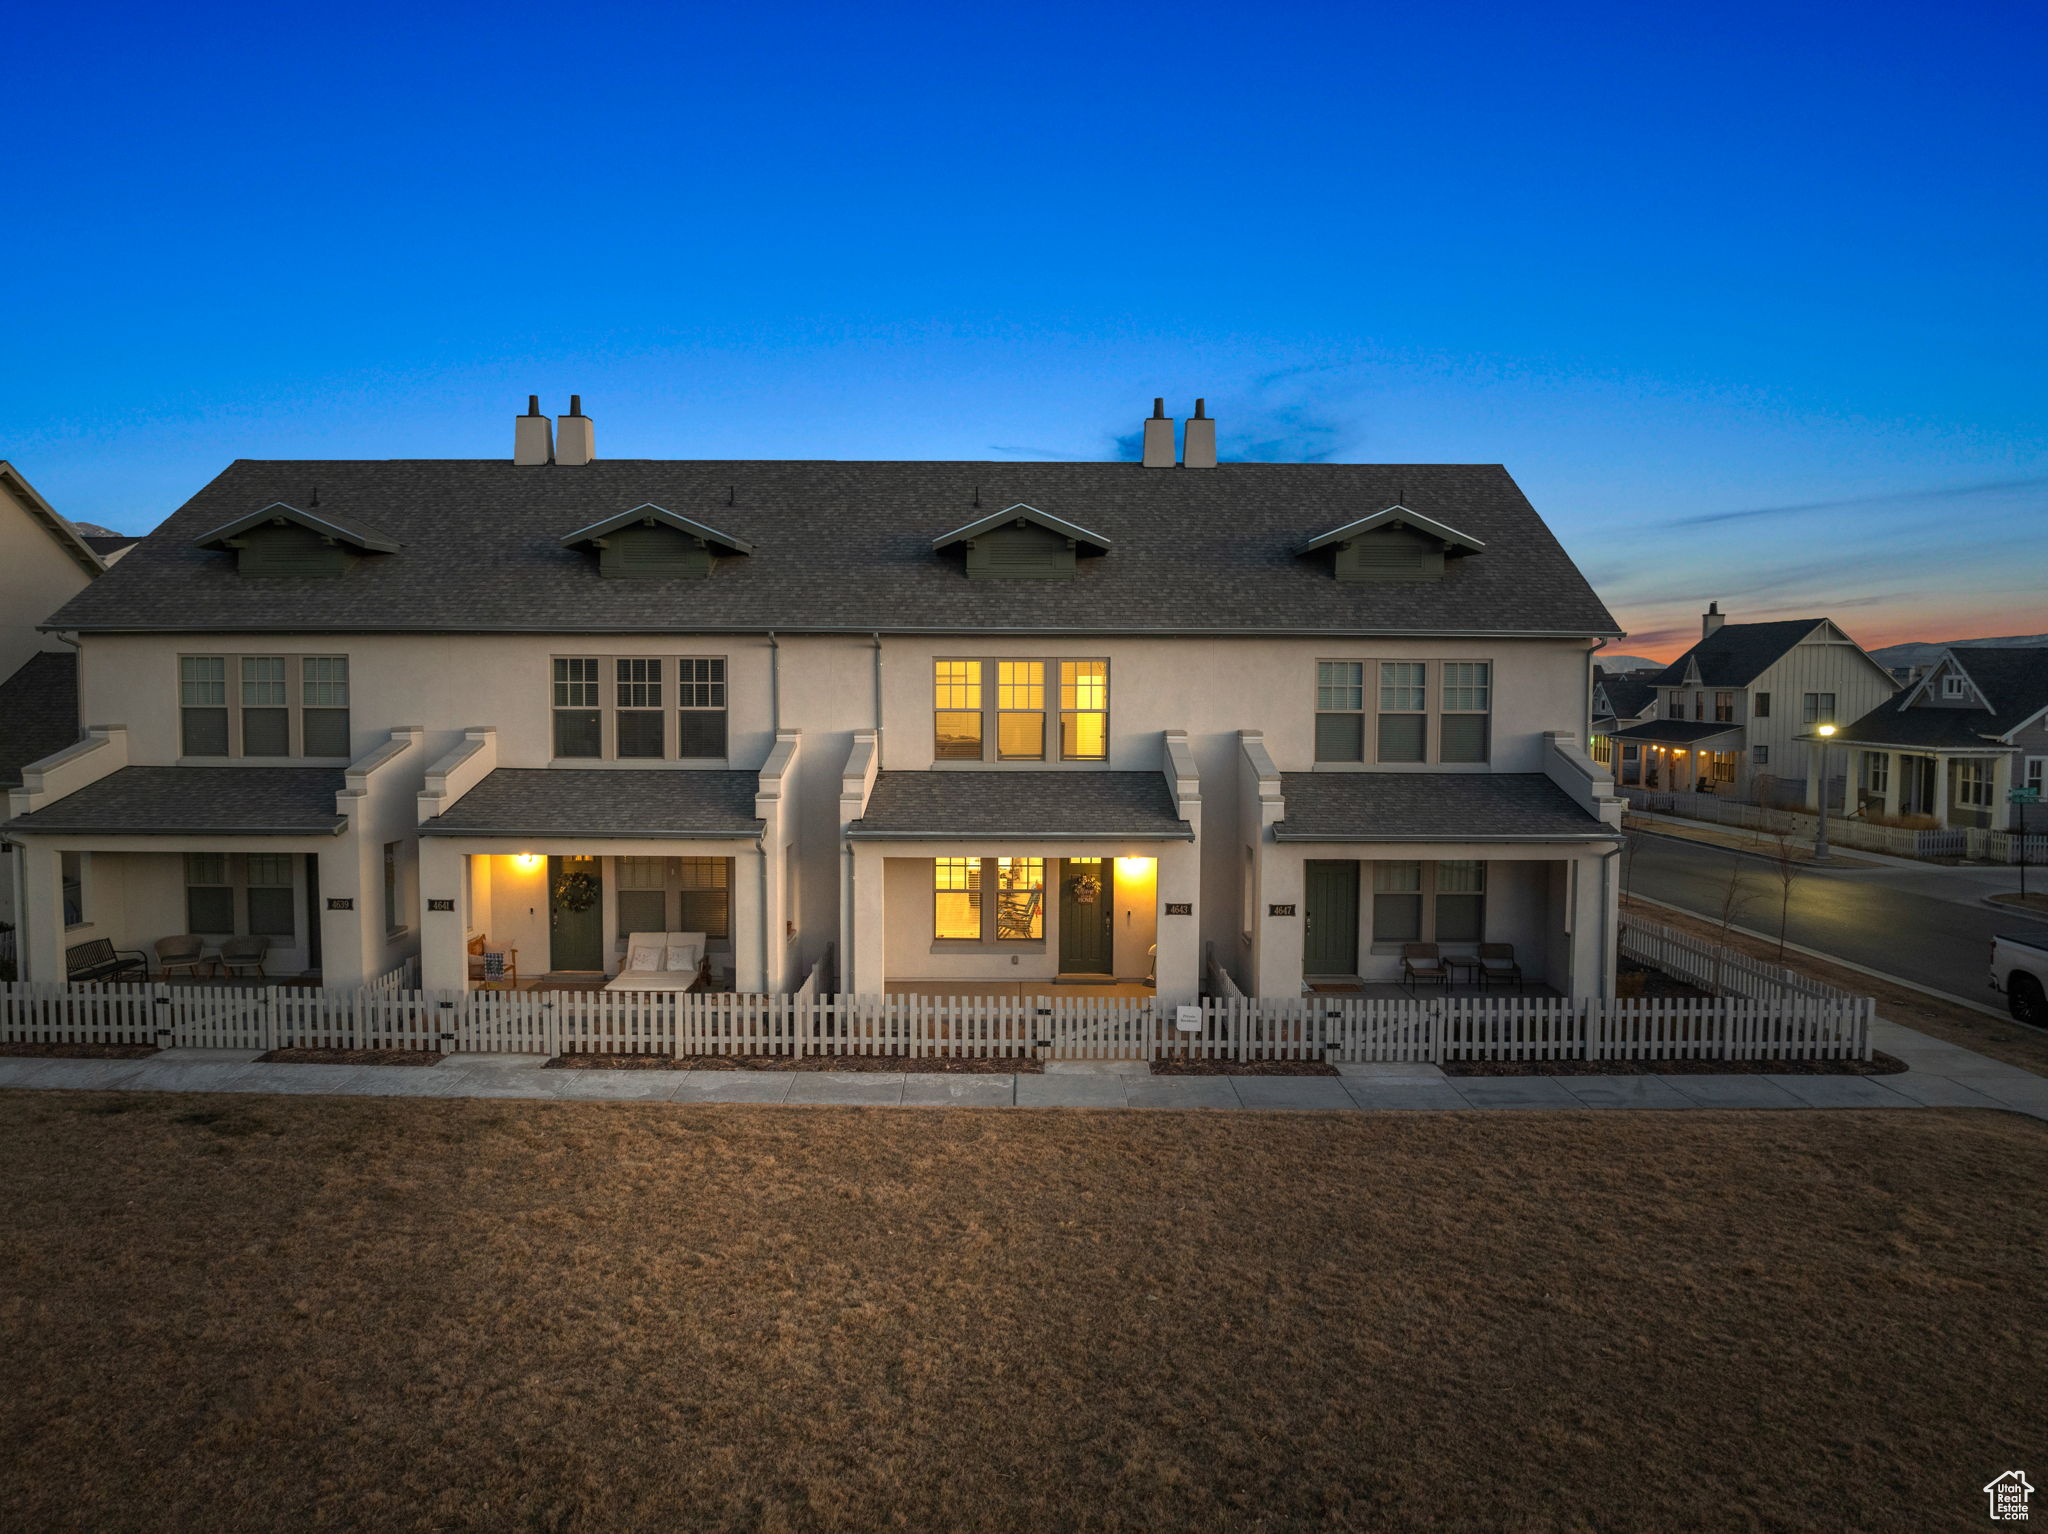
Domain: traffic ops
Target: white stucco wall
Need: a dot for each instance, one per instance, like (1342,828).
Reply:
(36,578)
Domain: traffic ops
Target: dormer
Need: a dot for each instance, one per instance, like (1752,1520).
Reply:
(1393,545)
(1022,543)
(284,540)
(1948,685)
(653,543)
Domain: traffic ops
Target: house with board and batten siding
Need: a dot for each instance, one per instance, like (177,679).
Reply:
(968,728)
(1735,713)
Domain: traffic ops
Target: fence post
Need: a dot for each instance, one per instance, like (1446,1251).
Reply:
(1436,1033)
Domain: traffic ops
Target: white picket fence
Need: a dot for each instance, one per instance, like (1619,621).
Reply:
(1719,970)
(1340,1029)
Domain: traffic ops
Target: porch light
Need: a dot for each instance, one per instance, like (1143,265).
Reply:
(1824,730)
(1130,868)
(527,859)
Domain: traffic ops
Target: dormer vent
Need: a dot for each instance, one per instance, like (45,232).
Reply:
(284,540)
(1393,545)
(653,543)
(1022,543)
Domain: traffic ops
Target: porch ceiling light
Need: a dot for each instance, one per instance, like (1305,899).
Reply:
(527,859)
(1130,868)
(1824,730)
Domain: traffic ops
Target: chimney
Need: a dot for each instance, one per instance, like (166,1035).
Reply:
(1159,438)
(1711,619)
(533,434)
(1198,440)
(574,439)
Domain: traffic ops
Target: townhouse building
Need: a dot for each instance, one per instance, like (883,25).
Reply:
(951,724)
(1735,714)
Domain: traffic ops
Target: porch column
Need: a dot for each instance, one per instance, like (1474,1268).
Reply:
(1594,890)
(1279,938)
(39,919)
(444,957)
(1939,808)
(1178,966)
(749,953)
(861,966)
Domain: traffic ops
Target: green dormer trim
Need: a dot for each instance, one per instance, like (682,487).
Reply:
(1022,543)
(284,540)
(1393,545)
(653,543)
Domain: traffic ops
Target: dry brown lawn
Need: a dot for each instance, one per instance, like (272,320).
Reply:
(262,1313)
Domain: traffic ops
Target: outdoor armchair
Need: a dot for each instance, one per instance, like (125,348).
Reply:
(1421,963)
(1497,962)
(243,955)
(185,953)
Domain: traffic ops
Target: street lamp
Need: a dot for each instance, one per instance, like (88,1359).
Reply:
(1820,841)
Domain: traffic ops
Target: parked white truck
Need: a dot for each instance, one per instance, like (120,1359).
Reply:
(2019,972)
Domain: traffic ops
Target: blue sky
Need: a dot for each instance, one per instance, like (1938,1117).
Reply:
(1666,264)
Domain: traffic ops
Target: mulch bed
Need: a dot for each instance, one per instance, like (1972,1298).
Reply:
(351,1057)
(1654,983)
(922,1065)
(1879,1064)
(79,1051)
(1243,1068)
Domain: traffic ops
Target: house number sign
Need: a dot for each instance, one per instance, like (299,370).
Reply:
(1180,908)
(1279,910)
(440,905)
(340,903)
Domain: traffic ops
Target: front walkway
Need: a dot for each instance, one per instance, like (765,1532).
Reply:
(1941,1075)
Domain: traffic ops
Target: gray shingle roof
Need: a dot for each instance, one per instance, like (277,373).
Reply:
(1677,732)
(847,545)
(38,713)
(1734,655)
(2013,679)
(1022,806)
(1627,694)
(198,801)
(598,802)
(1428,807)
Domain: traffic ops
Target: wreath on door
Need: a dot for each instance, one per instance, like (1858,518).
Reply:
(1084,887)
(576,892)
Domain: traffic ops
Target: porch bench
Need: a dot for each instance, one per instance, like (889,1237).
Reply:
(100,960)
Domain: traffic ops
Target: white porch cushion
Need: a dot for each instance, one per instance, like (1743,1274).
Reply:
(643,958)
(683,958)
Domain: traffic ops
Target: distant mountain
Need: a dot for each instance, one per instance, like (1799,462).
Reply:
(1627,663)
(94,530)
(1918,653)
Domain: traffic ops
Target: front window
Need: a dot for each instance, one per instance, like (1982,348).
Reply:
(1013,703)
(268,880)
(263,705)
(957,701)
(1699,705)
(248,893)
(1017,914)
(1724,708)
(1973,783)
(1084,710)
(619,707)
(1467,695)
(71,873)
(1020,710)
(323,700)
(209,895)
(1674,706)
(579,720)
(1820,707)
(1396,902)
(1877,771)
(1952,686)
(1340,710)
(956,899)
(1460,901)
(1404,699)
(1763,705)
(203,704)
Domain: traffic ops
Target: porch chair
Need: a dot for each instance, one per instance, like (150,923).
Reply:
(184,952)
(1497,962)
(99,960)
(1421,963)
(493,964)
(241,957)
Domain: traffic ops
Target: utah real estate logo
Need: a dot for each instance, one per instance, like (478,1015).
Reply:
(2008,1496)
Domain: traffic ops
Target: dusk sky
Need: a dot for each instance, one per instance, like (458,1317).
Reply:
(1749,299)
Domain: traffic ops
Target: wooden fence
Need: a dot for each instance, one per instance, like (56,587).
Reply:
(1338,1029)
(1847,831)
(1720,970)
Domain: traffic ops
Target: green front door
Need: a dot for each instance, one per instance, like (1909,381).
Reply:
(1330,920)
(1085,923)
(575,937)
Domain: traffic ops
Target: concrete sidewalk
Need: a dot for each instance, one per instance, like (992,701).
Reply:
(1941,1075)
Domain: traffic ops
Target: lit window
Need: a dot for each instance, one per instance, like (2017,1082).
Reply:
(1084,710)
(956,898)
(1020,899)
(1020,704)
(956,696)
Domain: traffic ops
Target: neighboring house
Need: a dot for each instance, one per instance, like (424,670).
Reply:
(1952,745)
(44,561)
(1620,698)
(1738,708)
(966,725)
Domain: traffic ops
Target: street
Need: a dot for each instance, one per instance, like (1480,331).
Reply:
(1923,925)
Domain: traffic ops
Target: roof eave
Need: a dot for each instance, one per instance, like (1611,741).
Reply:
(1533,838)
(726,834)
(1183,835)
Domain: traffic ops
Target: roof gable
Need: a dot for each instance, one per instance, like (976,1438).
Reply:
(59,528)
(1397,516)
(1084,541)
(1736,654)
(333,529)
(650,515)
